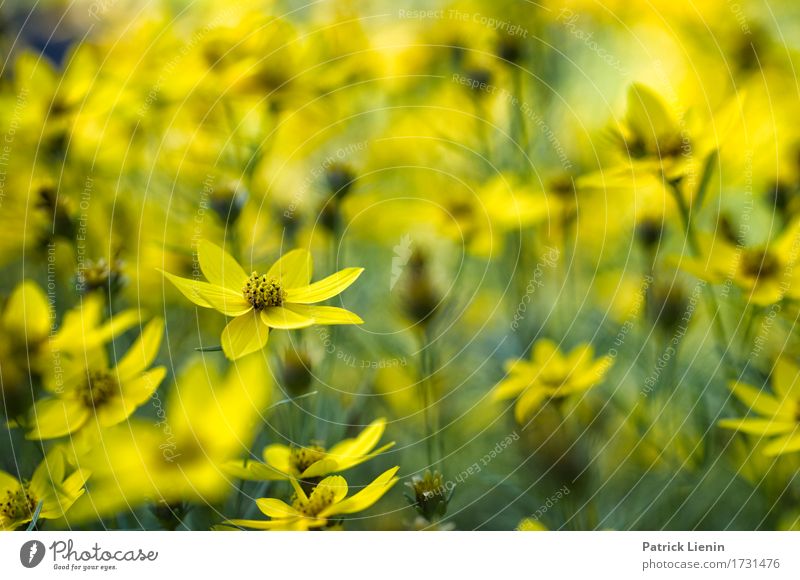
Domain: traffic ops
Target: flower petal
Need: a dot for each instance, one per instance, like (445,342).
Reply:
(529,403)
(758,426)
(325,288)
(27,313)
(134,393)
(54,417)
(367,496)
(759,401)
(361,444)
(210,295)
(243,335)
(219,267)
(283,318)
(141,354)
(785,444)
(276,508)
(293,269)
(326,314)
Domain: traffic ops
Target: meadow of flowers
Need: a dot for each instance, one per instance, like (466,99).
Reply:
(362,265)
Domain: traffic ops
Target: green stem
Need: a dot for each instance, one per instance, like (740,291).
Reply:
(708,292)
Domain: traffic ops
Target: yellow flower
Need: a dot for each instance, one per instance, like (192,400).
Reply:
(320,508)
(550,375)
(531,525)
(284,462)
(89,388)
(206,421)
(52,485)
(282,298)
(765,274)
(779,412)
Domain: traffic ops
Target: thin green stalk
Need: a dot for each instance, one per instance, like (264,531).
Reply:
(708,291)
(35,518)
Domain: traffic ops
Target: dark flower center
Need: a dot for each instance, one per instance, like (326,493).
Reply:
(760,264)
(262,292)
(99,387)
(17,504)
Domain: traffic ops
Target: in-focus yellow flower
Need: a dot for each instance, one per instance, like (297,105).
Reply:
(779,412)
(765,274)
(55,484)
(319,508)
(282,298)
(550,375)
(89,388)
(314,461)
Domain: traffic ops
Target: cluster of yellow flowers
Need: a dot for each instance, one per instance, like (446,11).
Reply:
(605,197)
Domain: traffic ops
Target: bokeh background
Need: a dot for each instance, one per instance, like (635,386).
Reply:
(507,173)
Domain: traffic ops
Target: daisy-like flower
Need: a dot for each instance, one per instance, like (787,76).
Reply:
(550,375)
(89,388)
(765,274)
(53,484)
(320,508)
(282,298)
(778,412)
(314,461)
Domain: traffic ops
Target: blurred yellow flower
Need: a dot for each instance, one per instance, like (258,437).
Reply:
(319,508)
(284,462)
(282,298)
(531,525)
(765,274)
(89,388)
(550,375)
(779,412)
(207,420)
(54,484)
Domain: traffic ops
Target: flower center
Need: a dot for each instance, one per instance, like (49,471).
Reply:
(99,387)
(319,499)
(760,264)
(18,504)
(262,292)
(304,457)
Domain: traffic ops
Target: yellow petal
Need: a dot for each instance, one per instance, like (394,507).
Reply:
(333,485)
(283,318)
(650,117)
(360,445)
(326,314)
(243,335)
(210,295)
(134,393)
(759,401)
(142,352)
(546,352)
(54,417)
(27,313)
(528,404)
(293,269)
(219,267)
(320,468)
(253,471)
(786,444)
(758,426)
(786,380)
(510,387)
(278,456)
(276,508)
(367,496)
(325,288)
